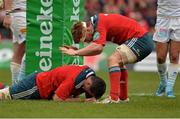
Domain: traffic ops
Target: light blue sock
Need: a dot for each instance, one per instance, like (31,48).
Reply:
(172,75)
(22,71)
(162,70)
(15,69)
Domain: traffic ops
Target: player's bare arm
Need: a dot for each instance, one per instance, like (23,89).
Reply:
(56,98)
(7,18)
(76,99)
(70,47)
(90,99)
(91,49)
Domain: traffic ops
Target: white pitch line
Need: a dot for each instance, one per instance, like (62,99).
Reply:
(146,94)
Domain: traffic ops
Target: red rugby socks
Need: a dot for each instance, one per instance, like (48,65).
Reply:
(123,84)
(115,75)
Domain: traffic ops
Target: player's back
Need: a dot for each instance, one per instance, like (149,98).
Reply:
(49,81)
(120,28)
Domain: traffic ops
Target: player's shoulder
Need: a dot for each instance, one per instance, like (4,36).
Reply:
(72,67)
(82,67)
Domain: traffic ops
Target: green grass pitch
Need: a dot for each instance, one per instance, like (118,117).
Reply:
(143,104)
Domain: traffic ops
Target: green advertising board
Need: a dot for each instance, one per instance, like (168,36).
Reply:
(73,11)
(48,28)
(6,53)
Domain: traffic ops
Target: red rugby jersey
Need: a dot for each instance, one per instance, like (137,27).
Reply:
(59,81)
(115,28)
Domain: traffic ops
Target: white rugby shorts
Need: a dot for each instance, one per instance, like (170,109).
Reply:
(18,26)
(167,28)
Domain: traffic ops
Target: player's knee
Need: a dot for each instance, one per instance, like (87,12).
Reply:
(17,59)
(174,58)
(113,59)
(161,59)
(18,55)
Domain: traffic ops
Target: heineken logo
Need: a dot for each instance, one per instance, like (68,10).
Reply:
(76,10)
(75,17)
(46,28)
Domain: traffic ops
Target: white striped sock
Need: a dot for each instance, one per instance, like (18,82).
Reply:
(172,75)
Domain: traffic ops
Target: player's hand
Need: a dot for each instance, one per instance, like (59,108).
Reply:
(7,21)
(70,47)
(67,46)
(68,51)
(90,100)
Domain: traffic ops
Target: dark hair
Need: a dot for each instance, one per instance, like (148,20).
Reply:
(98,87)
(77,31)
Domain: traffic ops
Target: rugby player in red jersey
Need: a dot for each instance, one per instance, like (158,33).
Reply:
(64,83)
(134,45)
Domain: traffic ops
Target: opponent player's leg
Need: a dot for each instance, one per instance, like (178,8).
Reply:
(15,65)
(18,28)
(161,52)
(174,52)
(22,72)
(161,37)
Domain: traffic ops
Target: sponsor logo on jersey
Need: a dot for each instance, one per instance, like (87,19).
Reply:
(96,36)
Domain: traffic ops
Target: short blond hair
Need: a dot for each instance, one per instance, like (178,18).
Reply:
(78,31)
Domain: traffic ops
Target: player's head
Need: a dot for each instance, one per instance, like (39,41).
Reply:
(94,86)
(82,32)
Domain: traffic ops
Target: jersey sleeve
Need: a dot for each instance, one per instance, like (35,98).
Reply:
(100,28)
(64,90)
(99,37)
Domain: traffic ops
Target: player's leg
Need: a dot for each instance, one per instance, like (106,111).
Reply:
(173,67)
(115,75)
(18,53)
(123,96)
(116,61)
(18,28)
(174,51)
(161,52)
(161,37)
(22,72)
(25,89)
(133,51)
